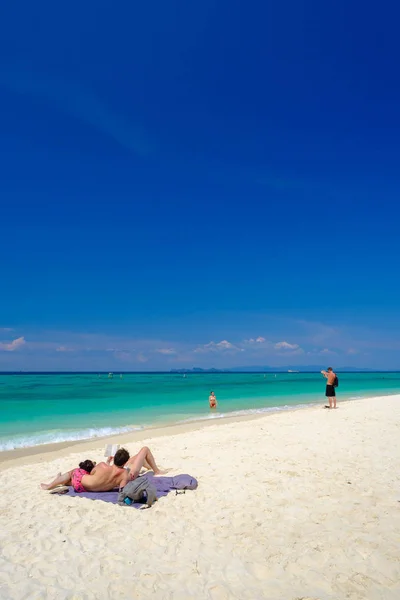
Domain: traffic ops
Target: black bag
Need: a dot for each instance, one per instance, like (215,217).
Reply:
(336,382)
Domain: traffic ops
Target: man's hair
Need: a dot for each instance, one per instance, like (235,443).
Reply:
(330,369)
(121,457)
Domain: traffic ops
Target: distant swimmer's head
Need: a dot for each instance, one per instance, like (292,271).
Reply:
(330,369)
(121,457)
(87,465)
(212,394)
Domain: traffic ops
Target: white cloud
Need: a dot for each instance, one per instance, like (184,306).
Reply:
(14,345)
(225,345)
(352,351)
(286,349)
(167,351)
(286,346)
(327,351)
(259,340)
(6,329)
(221,346)
(64,349)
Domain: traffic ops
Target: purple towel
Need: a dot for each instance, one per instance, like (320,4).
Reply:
(163,485)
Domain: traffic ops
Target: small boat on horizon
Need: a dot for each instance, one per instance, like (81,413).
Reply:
(110,375)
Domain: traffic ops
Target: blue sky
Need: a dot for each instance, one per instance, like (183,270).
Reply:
(179,179)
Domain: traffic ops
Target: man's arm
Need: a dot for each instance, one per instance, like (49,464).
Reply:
(124,479)
(324,373)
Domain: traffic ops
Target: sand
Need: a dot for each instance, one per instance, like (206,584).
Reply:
(295,505)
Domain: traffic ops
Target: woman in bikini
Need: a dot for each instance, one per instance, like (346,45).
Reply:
(73,477)
(212,400)
(104,477)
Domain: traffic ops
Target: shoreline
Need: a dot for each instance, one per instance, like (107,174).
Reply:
(295,504)
(12,458)
(158,430)
(43,452)
(42,416)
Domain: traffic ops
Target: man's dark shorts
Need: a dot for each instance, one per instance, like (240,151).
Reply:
(330,391)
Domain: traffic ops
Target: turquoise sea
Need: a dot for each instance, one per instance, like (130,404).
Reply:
(45,408)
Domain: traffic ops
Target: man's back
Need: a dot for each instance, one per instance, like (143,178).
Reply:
(103,478)
(331,377)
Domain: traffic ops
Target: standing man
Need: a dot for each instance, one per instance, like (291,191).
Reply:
(330,387)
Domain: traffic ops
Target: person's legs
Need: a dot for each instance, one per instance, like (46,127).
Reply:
(144,457)
(334,401)
(328,397)
(61,479)
(146,465)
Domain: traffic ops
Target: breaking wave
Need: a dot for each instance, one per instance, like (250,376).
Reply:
(55,436)
(244,412)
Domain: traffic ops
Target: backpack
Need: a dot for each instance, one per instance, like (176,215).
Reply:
(336,382)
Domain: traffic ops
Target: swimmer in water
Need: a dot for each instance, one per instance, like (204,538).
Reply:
(212,400)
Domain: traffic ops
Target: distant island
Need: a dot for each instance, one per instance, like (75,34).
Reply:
(267,369)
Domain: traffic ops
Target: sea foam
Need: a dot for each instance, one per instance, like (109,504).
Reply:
(246,412)
(55,436)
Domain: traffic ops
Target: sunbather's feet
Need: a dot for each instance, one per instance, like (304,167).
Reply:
(45,486)
(161,472)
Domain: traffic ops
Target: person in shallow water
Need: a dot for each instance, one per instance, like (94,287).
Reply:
(212,400)
(330,392)
(105,477)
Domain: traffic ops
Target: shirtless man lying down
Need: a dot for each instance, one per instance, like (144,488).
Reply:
(105,477)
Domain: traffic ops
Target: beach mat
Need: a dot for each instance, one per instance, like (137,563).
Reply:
(163,485)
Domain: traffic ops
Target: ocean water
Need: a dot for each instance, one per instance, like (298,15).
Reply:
(38,409)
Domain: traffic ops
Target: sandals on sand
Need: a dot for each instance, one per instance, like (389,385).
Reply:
(60,489)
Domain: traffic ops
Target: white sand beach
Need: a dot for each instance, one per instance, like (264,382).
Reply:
(295,505)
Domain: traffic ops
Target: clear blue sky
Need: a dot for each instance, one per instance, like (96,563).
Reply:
(175,175)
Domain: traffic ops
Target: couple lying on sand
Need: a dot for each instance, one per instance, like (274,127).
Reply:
(90,477)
